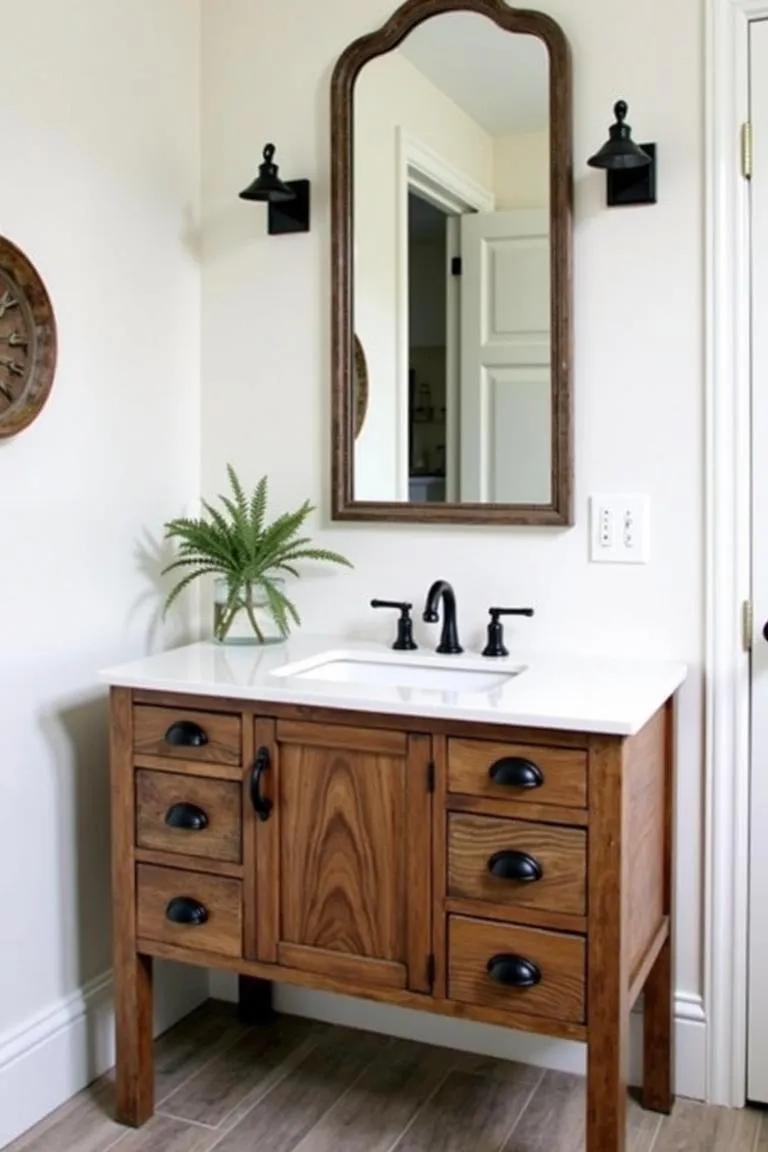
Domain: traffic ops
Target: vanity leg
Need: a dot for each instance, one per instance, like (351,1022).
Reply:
(607,1051)
(135,1078)
(131,972)
(657,1035)
(255,1000)
(607,968)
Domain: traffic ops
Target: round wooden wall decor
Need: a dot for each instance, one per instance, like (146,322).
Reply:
(27,341)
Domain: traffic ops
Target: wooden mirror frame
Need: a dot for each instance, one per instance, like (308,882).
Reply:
(344,506)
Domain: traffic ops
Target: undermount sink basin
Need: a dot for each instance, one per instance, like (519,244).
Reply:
(394,673)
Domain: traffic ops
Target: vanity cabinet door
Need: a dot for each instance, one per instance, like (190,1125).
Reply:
(352,818)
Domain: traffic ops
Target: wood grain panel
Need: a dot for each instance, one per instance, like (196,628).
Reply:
(440,867)
(564,770)
(514,914)
(188,863)
(342,864)
(561,959)
(132,972)
(608,966)
(560,852)
(157,792)
(644,770)
(223,731)
(387,743)
(189,767)
(223,899)
(342,966)
(266,834)
(658,1005)
(418,849)
(509,809)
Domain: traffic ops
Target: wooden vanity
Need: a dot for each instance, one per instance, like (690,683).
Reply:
(512,875)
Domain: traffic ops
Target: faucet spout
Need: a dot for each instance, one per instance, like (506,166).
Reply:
(449,639)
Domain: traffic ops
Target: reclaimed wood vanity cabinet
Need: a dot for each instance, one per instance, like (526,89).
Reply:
(509,875)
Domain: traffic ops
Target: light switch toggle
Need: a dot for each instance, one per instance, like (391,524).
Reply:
(619,529)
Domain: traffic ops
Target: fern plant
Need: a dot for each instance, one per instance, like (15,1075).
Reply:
(236,544)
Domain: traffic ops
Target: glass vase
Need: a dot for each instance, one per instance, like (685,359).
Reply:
(245,616)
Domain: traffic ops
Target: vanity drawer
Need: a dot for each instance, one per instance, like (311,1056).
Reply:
(190,910)
(517,863)
(552,963)
(211,737)
(520,772)
(189,814)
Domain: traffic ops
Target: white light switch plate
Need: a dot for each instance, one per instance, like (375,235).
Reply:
(619,529)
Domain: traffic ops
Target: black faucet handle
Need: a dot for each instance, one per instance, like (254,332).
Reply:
(495,645)
(404,641)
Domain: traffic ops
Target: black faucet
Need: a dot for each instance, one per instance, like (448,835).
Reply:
(449,639)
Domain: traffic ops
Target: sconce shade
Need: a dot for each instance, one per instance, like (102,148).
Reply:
(620,151)
(268,186)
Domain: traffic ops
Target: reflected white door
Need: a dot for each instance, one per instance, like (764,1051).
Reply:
(505,391)
(757,1077)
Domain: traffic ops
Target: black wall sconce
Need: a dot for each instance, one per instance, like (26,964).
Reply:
(630,167)
(288,200)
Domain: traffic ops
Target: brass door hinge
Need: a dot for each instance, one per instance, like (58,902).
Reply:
(747,625)
(747,154)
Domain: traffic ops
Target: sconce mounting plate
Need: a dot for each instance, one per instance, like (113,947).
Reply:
(633,185)
(290,215)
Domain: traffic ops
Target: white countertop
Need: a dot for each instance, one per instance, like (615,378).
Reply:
(615,697)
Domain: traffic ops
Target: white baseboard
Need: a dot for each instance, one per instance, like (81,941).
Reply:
(468,1036)
(53,1056)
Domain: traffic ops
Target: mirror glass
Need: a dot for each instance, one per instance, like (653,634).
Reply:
(451,266)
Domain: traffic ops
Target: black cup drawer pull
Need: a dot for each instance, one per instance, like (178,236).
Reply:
(512,865)
(185,910)
(514,971)
(515,772)
(187,816)
(186,734)
(262,805)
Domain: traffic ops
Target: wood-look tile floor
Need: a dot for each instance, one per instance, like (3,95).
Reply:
(296,1086)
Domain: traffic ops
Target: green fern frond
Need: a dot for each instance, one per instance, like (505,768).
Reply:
(320,554)
(258,508)
(182,584)
(235,542)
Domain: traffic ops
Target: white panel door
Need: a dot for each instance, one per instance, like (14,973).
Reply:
(757,1077)
(505,391)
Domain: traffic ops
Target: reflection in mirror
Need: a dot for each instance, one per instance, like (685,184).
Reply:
(360,385)
(451,278)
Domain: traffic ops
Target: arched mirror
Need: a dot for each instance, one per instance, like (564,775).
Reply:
(451,218)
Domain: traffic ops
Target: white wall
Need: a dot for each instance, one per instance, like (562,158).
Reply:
(389,94)
(521,170)
(99,125)
(637,372)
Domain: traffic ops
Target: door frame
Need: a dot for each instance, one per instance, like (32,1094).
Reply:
(420,169)
(728,549)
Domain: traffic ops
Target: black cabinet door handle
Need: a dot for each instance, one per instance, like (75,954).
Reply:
(262,805)
(187,816)
(185,910)
(186,734)
(514,971)
(511,865)
(515,772)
